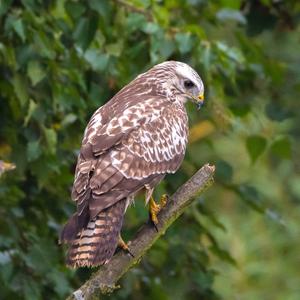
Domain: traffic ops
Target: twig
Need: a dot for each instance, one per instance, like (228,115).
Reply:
(105,279)
(135,9)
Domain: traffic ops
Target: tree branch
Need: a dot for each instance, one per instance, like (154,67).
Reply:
(105,279)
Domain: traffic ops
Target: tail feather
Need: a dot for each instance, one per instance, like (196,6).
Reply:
(96,243)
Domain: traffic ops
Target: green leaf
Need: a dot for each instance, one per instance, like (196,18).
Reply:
(74,9)
(204,211)
(68,119)
(277,112)
(184,41)
(223,254)
(51,139)
(282,148)
(4,257)
(206,57)
(20,89)
(251,196)
(85,31)
(101,7)
(259,20)
(232,53)
(224,171)
(255,146)
(59,282)
(9,55)
(150,28)
(226,14)
(167,48)
(33,150)
(240,109)
(135,22)
(32,290)
(203,279)
(97,60)
(294,185)
(115,49)
(43,44)
(31,109)
(233,4)
(4,6)
(35,72)
(6,272)
(41,256)
(19,29)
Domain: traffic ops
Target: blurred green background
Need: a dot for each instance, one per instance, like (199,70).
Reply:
(60,60)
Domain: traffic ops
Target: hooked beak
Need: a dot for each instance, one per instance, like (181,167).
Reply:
(199,101)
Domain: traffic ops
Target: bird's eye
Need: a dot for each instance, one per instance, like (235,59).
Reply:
(188,84)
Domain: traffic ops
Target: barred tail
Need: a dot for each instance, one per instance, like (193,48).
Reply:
(96,243)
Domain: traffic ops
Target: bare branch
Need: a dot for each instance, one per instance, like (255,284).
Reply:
(105,279)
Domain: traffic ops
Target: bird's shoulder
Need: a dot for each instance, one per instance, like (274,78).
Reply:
(123,115)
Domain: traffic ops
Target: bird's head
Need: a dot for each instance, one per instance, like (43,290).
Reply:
(188,83)
(179,81)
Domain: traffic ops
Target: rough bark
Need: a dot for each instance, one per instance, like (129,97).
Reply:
(105,279)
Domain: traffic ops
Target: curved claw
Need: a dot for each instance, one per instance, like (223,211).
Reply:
(155,208)
(124,246)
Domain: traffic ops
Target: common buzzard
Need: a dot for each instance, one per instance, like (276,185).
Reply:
(130,143)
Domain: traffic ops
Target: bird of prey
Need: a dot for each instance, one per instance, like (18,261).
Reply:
(129,144)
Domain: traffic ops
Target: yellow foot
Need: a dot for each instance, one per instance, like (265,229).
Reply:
(155,208)
(124,246)
(163,200)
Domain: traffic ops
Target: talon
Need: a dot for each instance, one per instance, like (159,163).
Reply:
(130,253)
(154,218)
(124,246)
(163,200)
(154,209)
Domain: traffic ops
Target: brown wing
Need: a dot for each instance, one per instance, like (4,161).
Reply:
(141,158)
(118,158)
(156,147)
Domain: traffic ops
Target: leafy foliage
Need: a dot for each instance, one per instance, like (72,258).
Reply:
(60,60)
